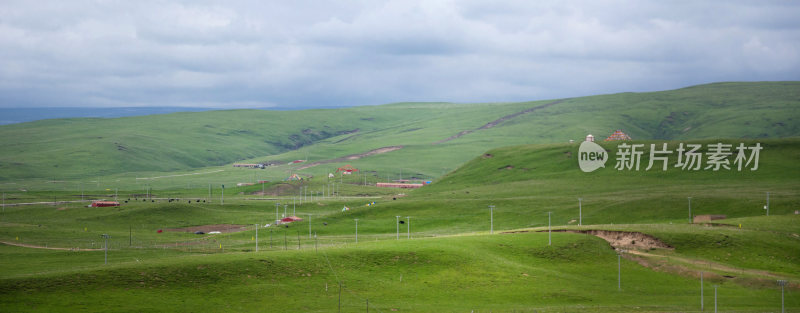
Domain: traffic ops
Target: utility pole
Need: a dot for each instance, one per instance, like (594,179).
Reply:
(783,284)
(398,226)
(491,219)
(256,237)
(767,203)
(356,230)
(222,196)
(619,271)
(285,206)
(105,246)
(309,225)
(549,232)
(276,212)
(715,298)
(701,291)
(409,226)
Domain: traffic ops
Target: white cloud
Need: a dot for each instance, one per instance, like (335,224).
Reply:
(306,53)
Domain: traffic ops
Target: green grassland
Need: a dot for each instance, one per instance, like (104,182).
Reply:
(70,154)
(500,273)
(447,259)
(167,171)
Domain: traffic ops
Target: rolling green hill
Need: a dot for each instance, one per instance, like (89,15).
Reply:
(444,257)
(446,134)
(451,253)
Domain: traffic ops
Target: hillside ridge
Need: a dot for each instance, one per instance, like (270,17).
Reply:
(62,148)
(498,121)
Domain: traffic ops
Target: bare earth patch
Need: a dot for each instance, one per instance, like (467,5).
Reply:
(623,239)
(223,228)
(276,190)
(628,240)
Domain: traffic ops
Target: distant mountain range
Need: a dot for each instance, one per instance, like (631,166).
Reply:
(21,115)
(435,137)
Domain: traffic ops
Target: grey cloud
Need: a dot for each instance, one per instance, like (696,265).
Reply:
(312,53)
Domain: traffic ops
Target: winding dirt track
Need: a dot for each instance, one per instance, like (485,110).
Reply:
(688,263)
(635,246)
(498,121)
(48,248)
(352,156)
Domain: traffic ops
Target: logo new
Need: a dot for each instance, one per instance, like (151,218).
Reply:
(591,156)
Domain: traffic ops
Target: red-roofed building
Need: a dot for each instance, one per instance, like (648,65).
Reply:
(291,219)
(618,135)
(347,169)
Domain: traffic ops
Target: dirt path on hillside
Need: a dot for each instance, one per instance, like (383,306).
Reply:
(498,121)
(47,203)
(352,156)
(48,248)
(706,265)
(179,175)
(222,228)
(634,246)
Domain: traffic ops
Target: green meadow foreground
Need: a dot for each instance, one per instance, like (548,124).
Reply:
(450,254)
(475,240)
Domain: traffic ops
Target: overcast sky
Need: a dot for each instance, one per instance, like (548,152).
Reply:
(342,53)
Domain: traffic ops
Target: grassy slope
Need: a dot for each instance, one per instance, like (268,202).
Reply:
(186,272)
(499,273)
(451,273)
(87,148)
(547,177)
